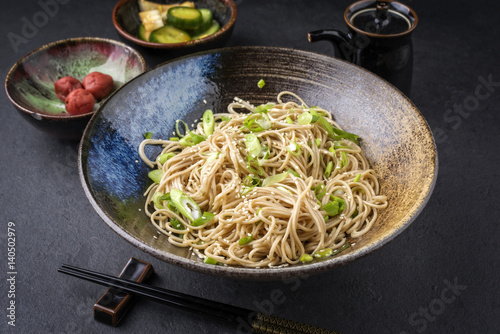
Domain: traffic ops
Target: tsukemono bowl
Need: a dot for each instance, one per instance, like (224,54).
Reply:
(396,140)
(126,21)
(30,82)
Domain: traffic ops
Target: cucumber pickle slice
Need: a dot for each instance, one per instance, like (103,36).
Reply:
(214,27)
(169,34)
(184,17)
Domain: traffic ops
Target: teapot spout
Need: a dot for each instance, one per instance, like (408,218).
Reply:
(341,41)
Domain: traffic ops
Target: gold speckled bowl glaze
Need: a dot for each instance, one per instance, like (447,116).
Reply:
(395,138)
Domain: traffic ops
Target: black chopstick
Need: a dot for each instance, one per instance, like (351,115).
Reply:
(257,322)
(187,302)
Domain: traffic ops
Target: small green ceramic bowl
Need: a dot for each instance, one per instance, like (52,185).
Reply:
(30,82)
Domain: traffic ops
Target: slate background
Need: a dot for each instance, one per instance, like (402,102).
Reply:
(401,288)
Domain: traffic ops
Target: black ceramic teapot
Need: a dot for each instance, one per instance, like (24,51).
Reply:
(378,39)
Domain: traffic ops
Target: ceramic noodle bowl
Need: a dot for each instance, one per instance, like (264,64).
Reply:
(394,136)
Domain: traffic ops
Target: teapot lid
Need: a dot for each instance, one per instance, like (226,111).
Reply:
(387,18)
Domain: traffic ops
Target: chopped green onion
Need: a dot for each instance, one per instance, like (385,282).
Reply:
(333,131)
(192,139)
(251,181)
(270,180)
(320,191)
(344,247)
(264,154)
(245,240)
(328,170)
(225,118)
(177,131)
(155,175)
(294,173)
(318,142)
(337,192)
(205,218)
(157,200)
(164,157)
(209,260)
(252,144)
(174,139)
(334,207)
(284,190)
(358,176)
(212,156)
(185,204)
(176,223)
(208,122)
(332,149)
(304,118)
(147,135)
(306,258)
(331,208)
(294,149)
(355,213)
(264,108)
(341,202)
(323,253)
(288,120)
(345,161)
(257,122)
(246,190)
(261,83)
(251,160)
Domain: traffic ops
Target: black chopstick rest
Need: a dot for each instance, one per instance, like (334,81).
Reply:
(114,304)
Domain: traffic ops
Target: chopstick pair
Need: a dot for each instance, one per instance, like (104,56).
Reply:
(237,316)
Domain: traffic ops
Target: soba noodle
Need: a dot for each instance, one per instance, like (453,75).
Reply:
(300,192)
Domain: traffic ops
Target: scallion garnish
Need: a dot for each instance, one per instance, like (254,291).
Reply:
(263,108)
(358,176)
(205,218)
(209,260)
(177,130)
(155,175)
(252,144)
(294,173)
(328,169)
(332,131)
(164,157)
(245,240)
(208,122)
(270,180)
(185,204)
(345,161)
(306,258)
(294,149)
(323,253)
(288,120)
(320,191)
(304,118)
(261,83)
(191,139)
(147,135)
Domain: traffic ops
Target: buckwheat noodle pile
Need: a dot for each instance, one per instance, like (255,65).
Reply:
(272,185)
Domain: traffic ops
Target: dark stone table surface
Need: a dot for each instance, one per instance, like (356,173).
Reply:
(441,275)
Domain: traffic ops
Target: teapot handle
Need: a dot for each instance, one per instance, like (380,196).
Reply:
(341,41)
